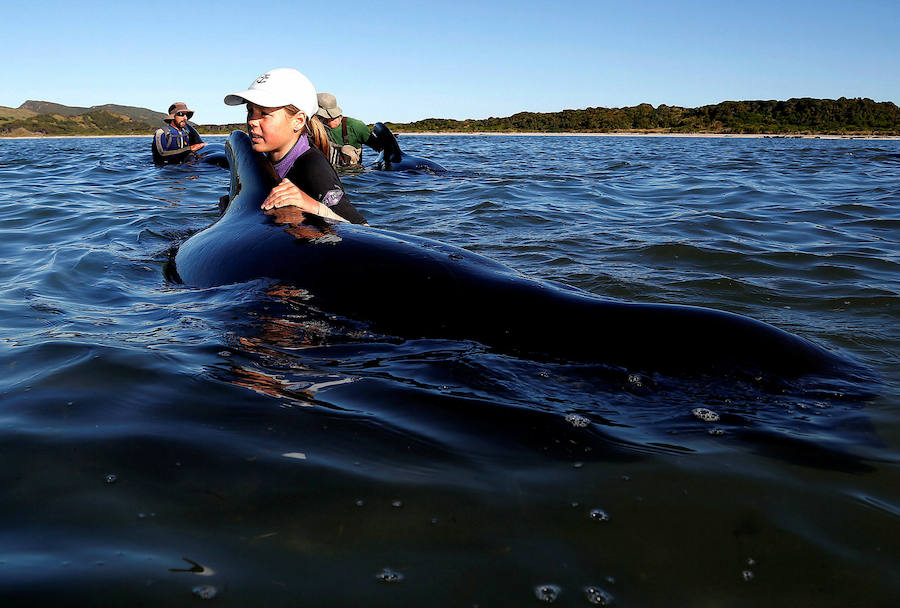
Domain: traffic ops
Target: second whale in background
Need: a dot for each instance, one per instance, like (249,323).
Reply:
(392,158)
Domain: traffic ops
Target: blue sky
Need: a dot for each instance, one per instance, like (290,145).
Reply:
(403,61)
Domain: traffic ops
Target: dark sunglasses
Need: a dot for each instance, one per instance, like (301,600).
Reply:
(182,114)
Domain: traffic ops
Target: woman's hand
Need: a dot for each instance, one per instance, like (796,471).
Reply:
(196,147)
(286,193)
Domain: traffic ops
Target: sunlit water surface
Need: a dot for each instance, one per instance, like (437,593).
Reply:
(163,444)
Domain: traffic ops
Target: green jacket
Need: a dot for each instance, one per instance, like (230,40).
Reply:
(357,133)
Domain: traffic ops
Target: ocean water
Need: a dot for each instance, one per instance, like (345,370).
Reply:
(167,445)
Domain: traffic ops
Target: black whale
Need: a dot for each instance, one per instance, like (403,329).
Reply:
(415,287)
(392,158)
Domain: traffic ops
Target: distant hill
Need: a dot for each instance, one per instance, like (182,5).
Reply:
(49,118)
(48,107)
(13,113)
(96,122)
(134,113)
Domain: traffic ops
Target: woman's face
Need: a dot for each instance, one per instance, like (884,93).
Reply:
(273,130)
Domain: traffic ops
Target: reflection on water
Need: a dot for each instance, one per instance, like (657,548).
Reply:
(165,445)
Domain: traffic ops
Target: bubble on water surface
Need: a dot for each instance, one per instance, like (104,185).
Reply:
(397,503)
(705,414)
(205,592)
(716,432)
(547,593)
(747,575)
(577,420)
(389,576)
(598,596)
(111,478)
(599,515)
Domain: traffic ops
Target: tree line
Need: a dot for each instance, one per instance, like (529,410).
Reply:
(858,116)
(794,116)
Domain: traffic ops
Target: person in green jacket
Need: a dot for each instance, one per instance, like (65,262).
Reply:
(347,135)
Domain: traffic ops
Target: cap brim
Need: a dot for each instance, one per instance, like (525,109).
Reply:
(329,113)
(265,99)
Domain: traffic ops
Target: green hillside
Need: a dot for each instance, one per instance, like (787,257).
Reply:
(14,113)
(49,107)
(136,114)
(97,122)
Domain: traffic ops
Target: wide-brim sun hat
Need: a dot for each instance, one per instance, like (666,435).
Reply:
(277,88)
(175,108)
(328,107)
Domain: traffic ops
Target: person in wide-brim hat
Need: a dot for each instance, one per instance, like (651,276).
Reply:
(347,135)
(179,109)
(175,142)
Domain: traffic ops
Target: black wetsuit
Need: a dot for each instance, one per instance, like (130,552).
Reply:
(315,176)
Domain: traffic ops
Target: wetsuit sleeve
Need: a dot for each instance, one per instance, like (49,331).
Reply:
(313,174)
(346,210)
(193,136)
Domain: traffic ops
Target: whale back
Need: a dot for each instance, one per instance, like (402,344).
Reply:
(415,287)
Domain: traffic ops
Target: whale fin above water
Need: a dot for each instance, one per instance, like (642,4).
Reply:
(392,158)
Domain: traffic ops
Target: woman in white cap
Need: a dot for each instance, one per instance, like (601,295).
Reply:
(279,106)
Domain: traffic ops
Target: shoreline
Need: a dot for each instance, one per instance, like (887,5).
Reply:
(529,134)
(641,134)
(95,136)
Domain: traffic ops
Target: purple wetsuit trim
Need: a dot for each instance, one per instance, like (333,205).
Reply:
(284,165)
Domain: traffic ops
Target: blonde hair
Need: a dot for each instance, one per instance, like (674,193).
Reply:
(315,130)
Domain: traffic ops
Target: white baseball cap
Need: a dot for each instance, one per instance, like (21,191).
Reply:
(277,88)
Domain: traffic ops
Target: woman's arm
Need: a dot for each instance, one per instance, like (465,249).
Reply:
(286,193)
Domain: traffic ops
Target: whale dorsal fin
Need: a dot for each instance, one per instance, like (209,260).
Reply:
(389,146)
